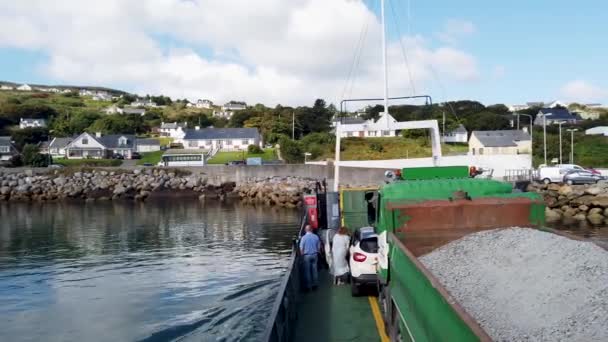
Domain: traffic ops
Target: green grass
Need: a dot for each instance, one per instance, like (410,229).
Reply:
(88,162)
(391,148)
(150,157)
(225,157)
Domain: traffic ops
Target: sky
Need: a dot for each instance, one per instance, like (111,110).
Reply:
(292,52)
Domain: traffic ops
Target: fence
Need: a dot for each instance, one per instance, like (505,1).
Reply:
(520,175)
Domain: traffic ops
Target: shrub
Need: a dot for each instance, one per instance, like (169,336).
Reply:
(89,162)
(254,149)
(376,147)
(291,151)
(16,161)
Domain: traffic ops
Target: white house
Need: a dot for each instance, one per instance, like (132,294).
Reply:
(31,123)
(517,107)
(231,139)
(174,130)
(500,142)
(599,130)
(114,109)
(100,146)
(183,157)
(143,103)
(204,104)
(234,105)
(223,114)
(385,126)
(53,90)
(458,135)
(102,96)
(6,87)
(24,87)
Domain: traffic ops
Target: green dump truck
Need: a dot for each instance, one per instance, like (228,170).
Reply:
(423,210)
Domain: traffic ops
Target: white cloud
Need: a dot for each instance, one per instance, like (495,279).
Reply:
(456,29)
(270,51)
(582,91)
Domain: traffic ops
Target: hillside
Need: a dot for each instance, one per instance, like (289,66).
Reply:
(112,91)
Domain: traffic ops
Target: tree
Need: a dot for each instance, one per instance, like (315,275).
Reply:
(28,153)
(239,117)
(486,121)
(291,151)
(32,136)
(117,124)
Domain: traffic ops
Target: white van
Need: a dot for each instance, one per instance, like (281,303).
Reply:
(555,174)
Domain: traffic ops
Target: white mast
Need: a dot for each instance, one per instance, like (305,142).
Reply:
(384,63)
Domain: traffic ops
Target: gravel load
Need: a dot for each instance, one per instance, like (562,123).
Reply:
(523,284)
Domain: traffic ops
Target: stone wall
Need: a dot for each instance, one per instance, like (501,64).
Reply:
(569,203)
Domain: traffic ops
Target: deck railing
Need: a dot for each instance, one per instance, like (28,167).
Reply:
(520,175)
(282,322)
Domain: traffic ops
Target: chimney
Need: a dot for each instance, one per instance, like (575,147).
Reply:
(98,134)
(197,127)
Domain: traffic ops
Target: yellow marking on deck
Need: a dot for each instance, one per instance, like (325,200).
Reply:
(378,318)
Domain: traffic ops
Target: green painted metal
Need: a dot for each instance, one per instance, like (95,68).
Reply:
(435,172)
(437,189)
(426,314)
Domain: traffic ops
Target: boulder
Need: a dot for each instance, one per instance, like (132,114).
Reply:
(596,219)
(59,181)
(5,190)
(583,208)
(580,217)
(583,200)
(136,171)
(565,190)
(552,215)
(553,187)
(606,212)
(600,201)
(593,211)
(119,190)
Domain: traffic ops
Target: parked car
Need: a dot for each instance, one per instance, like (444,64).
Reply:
(363,259)
(551,174)
(148,164)
(236,162)
(581,177)
(135,155)
(117,156)
(55,166)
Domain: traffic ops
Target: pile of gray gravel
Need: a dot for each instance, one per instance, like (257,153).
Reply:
(522,284)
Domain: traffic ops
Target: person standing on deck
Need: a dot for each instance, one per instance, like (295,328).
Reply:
(310,247)
(339,249)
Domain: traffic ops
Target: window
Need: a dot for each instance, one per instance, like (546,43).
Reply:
(372,133)
(228,142)
(208,142)
(192,143)
(480,150)
(349,134)
(386,133)
(4,149)
(122,141)
(85,141)
(245,142)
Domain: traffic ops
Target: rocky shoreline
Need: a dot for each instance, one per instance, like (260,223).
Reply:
(146,184)
(571,203)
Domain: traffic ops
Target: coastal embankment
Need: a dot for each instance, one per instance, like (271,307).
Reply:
(570,203)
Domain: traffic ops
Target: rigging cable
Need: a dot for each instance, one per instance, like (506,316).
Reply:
(407,63)
(356,58)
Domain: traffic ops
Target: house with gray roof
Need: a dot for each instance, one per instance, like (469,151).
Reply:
(56,147)
(147,145)
(500,142)
(458,135)
(174,130)
(7,150)
(228,139)
(98,146)
(553,116)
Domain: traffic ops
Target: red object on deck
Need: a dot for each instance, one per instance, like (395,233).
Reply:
(310,201)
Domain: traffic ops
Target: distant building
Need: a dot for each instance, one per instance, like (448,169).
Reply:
(174,130)
(206,104)
(517,107)
(31,123)
(458,135)
(102,96)
(500,142)
(53,90)
(24,87)
(114,109)
(6,87)
(183,157)
(554,116)
(234,105)
(147,145)
(143,103)
(100,146)
(56,147)
(7,149)
(385,126)
(231,139)
(226,114)
(599,130)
